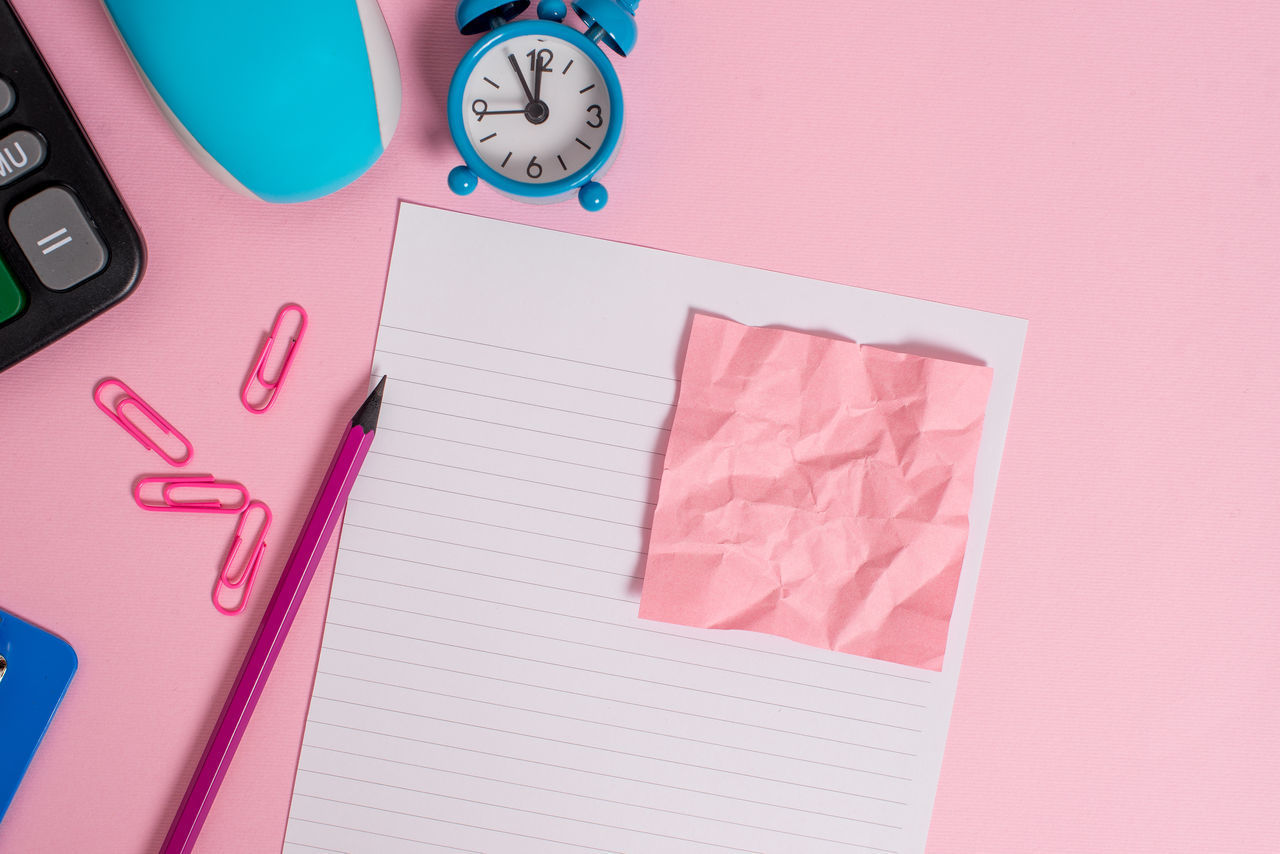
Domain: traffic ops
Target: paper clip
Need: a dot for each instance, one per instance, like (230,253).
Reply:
(171,501)
(130,398)
(255,552)
(273,385)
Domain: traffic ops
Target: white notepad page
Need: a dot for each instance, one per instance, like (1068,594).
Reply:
(485,685)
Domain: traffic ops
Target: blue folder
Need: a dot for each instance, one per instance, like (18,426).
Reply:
(37,670)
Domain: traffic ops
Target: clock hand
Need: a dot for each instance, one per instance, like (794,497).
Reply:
(537,78)
(480,107)
(480,114)
(516,65)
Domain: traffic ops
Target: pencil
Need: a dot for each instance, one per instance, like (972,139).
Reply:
(288,596)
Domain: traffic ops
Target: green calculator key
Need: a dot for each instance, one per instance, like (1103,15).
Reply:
(12,297)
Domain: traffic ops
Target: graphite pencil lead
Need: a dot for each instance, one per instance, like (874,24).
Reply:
(367,416)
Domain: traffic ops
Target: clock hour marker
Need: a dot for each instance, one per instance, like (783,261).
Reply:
(580,142)
(491,83)
(562,166)
(489,137)
(565,70)
(588,89)
(505,159)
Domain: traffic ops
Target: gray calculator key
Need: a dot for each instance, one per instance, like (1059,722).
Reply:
(61,244)
(7,97)
(20,153)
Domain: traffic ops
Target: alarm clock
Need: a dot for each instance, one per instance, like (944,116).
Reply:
(535,107)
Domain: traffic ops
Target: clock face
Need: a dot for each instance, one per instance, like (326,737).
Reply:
(536,108)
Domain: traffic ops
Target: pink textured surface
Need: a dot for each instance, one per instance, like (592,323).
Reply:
(1110,171)
(816,489)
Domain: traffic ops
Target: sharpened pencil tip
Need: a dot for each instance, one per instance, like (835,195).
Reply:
(367,416)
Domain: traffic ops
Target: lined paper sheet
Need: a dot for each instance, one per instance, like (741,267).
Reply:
(484,683)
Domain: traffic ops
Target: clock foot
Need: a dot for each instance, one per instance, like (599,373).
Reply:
(592,196)
(462,180)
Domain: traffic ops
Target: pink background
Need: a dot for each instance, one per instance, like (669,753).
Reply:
(1110,171)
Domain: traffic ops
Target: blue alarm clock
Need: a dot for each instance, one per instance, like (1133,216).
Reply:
(535,107)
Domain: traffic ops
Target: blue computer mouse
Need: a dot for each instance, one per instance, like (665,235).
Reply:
(286,100)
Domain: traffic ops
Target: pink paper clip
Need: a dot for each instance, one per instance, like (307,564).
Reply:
(273,385)
(170,501)
(246,575)
(115,413)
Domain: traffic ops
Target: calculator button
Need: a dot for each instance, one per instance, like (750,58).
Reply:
(12,297)
(61,244)
(20,153)
(7,97)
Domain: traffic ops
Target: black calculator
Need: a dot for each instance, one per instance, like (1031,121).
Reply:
(68,248)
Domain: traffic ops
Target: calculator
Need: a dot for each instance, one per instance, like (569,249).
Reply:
(68,248)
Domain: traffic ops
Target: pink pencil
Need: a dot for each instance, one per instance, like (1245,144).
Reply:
(292,587)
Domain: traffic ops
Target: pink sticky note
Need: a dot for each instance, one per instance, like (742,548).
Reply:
(816,489)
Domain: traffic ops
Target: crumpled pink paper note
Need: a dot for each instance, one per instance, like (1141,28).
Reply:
(816,489)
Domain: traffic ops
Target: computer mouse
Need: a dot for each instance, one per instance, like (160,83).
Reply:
(285,100)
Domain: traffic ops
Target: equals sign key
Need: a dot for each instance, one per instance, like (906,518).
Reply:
(63,242)
(58,238)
